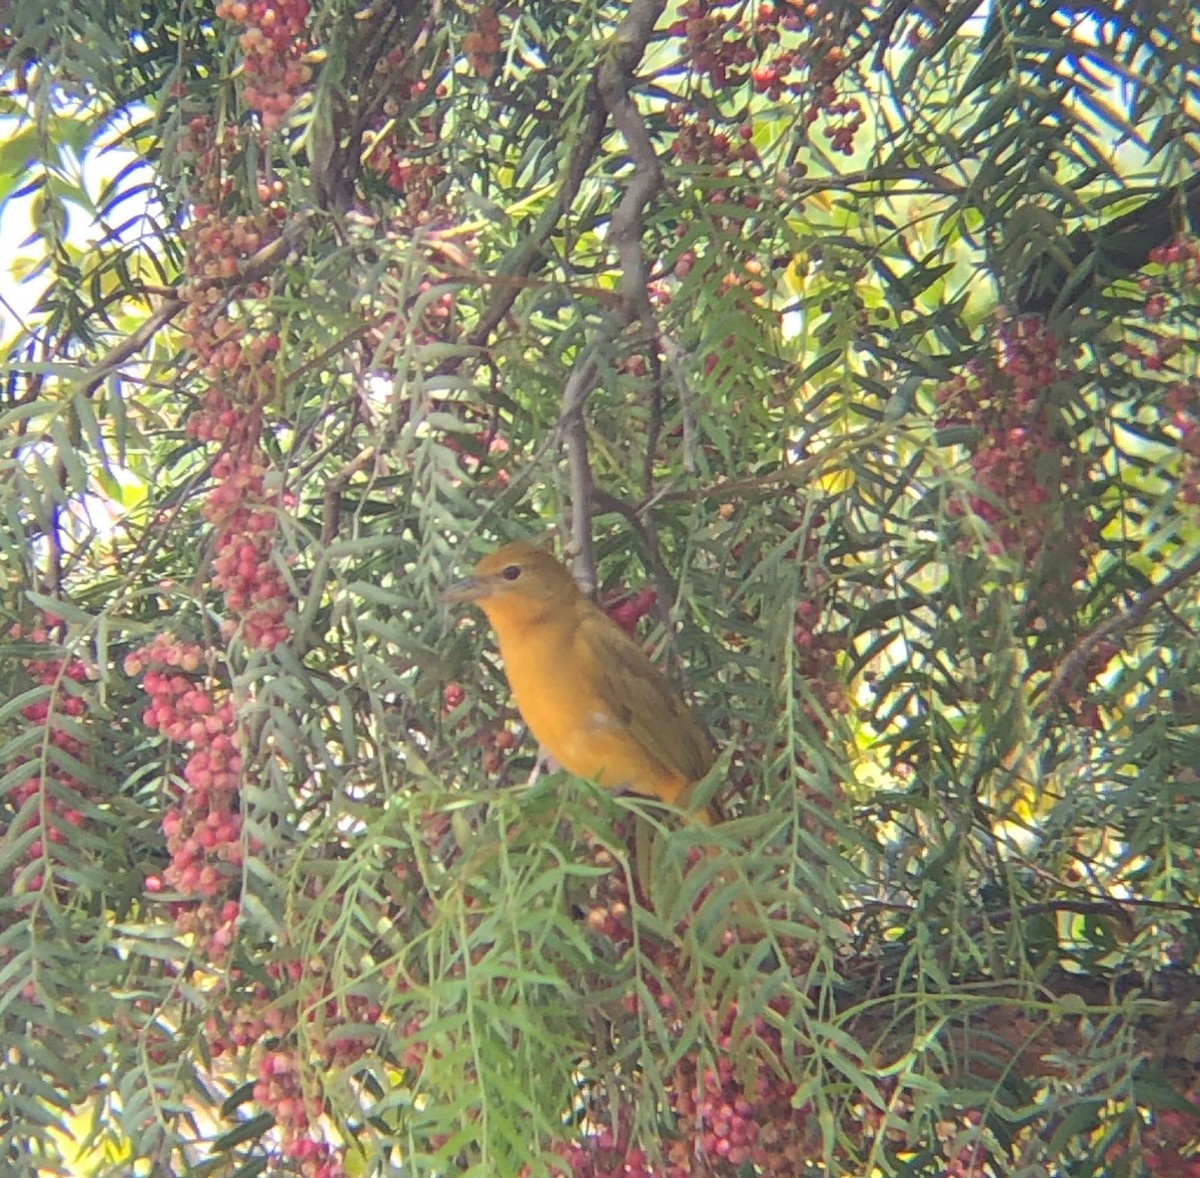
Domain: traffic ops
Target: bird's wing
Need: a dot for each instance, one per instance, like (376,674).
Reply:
(633,691)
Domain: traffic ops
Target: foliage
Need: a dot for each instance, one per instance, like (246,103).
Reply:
(851,352)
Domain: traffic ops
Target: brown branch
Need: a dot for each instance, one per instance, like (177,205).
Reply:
(520,260)
(340,479)
(668,589)
(627,228)
(131,344)
(1073,664)
(614,79)
(572,429)
(995,1027)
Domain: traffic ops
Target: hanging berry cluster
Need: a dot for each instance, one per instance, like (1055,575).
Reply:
(244,513)
(232,349)
(304,1012)
(1169,321)
(293,1024)
(235,344)
(232,354)
(233,337)
(203,825)
(725,1117)
(273,43)
(1022,468)
(775,49)
(48,800)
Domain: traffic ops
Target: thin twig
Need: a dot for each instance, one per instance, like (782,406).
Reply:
(668,588)
(1071,666)
(131,344)
(572,429)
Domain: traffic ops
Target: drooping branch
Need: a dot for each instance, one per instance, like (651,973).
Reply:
(1072,666)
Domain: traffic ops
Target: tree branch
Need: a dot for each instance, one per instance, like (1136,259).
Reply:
(613,82)
(131,344)
(572,429)
(1073,664)
(519,262)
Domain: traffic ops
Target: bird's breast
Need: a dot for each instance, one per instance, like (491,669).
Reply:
(554,684)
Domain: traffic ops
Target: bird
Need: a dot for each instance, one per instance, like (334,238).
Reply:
(586,690)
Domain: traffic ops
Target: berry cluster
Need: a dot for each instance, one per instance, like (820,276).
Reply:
(406,145)
(482,44)
(262,1020)
(411,169)
(1168,1146)
(627,607)
(715,46)
(962,1148)
(782,50)
(817,651)
(1179,280)
(236,361)
(392,335)
(493,737)
(243,512)
(731,1110)
(203,827)
(244,1019)
(608,916)
(60,794)
(699,141)
(474,458)
(1021,468)
(280,1089)
(234,357)
(742,1112)
(497,742)
(1166,294)
(274,44)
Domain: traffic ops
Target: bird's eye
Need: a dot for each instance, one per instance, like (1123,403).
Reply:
(512,572)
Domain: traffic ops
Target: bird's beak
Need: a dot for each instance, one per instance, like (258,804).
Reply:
(466,589)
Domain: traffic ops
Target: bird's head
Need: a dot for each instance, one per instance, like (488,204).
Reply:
(518,582)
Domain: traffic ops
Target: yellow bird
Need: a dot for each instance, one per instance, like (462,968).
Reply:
(590,696)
